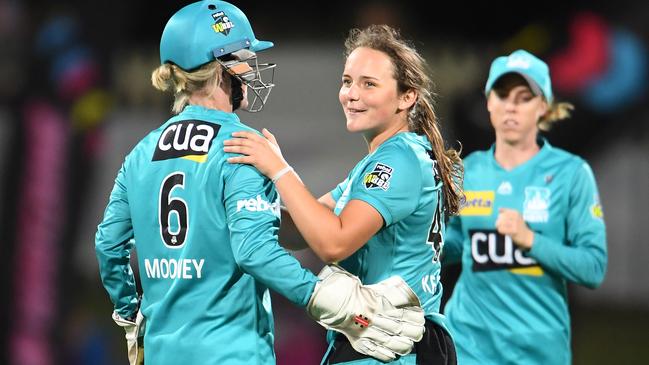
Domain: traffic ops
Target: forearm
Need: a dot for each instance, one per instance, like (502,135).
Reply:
(113,244)
(255,249)
(584,265)
(320,227)
(279,271)
(117,276)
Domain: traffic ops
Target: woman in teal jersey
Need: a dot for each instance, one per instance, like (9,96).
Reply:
(532,222)
(387,217)
(205,231)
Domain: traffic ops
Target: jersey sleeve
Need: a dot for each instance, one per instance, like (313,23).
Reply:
(391,183)
(584,259)
(253,217)
(453,240)
(337,192)
(113,248)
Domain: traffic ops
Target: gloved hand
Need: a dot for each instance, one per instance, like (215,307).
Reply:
(381,320)
(134,337)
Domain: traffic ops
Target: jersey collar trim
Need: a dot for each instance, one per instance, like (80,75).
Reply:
(545,149)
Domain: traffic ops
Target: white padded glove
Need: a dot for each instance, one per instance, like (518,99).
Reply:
(381,320)
(134,337)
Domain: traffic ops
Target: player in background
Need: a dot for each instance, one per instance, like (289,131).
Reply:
(532,222)
(205,231)
(387,217)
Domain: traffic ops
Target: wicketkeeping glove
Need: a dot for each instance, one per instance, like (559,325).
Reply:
(134,337)
(381,320)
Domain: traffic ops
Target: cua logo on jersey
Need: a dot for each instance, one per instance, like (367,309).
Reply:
(379,177)
(478,203)
(189,139)
(222,23)
(492,251)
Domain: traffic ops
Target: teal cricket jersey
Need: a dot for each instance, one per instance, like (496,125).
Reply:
(510,306)
(205,232)
(399,180)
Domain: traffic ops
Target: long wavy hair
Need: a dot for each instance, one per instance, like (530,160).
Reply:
(411,73)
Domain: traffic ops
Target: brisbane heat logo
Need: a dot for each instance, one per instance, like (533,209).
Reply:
(222,23)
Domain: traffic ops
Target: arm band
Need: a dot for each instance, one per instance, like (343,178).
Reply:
(281,173)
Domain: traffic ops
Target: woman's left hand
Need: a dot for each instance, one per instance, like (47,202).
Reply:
(511,223)
(262,153)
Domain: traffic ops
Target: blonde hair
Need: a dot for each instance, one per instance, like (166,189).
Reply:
(410,72)
(556,112)
(183,83)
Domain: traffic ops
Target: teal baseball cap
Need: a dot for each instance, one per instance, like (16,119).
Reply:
(202,31)
(531,68)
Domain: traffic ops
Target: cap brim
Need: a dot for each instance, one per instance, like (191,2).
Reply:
(258,45)
(536,89)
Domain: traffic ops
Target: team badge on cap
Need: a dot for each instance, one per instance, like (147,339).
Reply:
(222,23)
(531,68)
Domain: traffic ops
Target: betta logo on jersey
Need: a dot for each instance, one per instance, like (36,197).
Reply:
(222,23)
(478,203)
(492,251)
(188,139)
(379,177)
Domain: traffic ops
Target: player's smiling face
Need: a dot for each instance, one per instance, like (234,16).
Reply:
(514,110)
(368,93)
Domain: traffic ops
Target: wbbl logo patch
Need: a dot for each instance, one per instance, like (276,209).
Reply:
(222,23)
(190,139)
(379,177)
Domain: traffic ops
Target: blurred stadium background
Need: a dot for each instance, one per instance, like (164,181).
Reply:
(76,97)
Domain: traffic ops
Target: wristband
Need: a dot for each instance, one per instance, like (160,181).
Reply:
(281,173)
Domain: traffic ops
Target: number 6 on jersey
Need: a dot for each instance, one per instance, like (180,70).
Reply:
(173,235)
